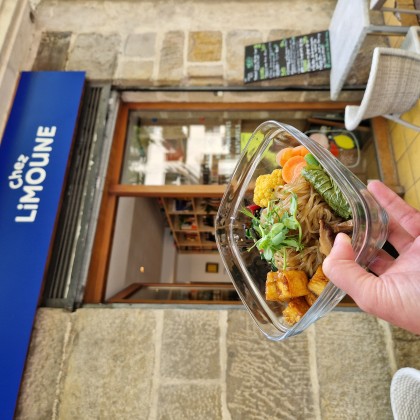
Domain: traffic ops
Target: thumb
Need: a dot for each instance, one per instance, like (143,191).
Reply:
(343,271)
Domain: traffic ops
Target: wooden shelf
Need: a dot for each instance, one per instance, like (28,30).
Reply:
(197,214)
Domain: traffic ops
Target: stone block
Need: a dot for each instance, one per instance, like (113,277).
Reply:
(236,41)
(44,363)
(189,401)
(209,70)
(190,345)
(141,45)
(110,365)
(353,367)
(406,348)
(96,54)
(276,34)
(52,51)
(205,75)
(171,70)
(205,46)
(132,72)
(265,379)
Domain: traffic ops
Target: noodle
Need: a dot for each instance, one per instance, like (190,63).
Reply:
(311,209)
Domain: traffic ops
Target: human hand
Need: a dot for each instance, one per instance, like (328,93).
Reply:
(392,290)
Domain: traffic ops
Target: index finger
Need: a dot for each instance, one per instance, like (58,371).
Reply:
(396,207)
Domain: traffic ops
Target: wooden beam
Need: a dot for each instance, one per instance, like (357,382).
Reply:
(96,282)
(211,191)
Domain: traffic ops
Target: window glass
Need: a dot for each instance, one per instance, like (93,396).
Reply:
(177,149)
(202,147)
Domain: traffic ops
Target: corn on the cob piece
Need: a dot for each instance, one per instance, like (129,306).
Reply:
(285,285)
(295,310)
(318,281)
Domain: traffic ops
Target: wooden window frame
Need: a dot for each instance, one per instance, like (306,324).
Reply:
(96,282)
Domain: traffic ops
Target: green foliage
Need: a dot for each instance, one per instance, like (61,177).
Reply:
(279,230)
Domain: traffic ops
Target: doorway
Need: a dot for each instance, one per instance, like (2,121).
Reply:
(170,163)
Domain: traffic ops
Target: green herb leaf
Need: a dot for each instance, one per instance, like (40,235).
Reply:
(277,231)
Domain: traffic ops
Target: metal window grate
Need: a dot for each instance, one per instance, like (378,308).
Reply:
(64,282)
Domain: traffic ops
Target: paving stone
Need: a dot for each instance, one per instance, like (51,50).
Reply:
(110,365)
(194,401)
(353,367)
(141,45)
(190,345)
(205,46)
(96,54)
(172,58)
(266,380)
(45,356)
(52,51)
(406,348)
(236,41)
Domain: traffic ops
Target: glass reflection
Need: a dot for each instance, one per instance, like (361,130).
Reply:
(172,151)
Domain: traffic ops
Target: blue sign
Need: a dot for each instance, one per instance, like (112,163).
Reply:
(34,155)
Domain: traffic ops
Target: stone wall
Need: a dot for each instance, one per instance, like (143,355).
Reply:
(179,43)
(145,43)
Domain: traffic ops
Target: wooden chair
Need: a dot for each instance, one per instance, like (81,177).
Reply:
(393,88)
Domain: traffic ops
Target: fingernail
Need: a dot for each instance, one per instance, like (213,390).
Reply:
(342,237)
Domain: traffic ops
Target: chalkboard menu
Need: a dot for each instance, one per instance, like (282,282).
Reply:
(287,57)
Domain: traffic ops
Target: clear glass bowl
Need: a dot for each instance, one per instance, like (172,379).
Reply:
(246,269)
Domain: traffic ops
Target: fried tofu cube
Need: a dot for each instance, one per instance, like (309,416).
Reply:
(311,298)
(271,287)
(318,281)
(285,285)
(295,310)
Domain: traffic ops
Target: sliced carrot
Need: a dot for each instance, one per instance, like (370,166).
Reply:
(288,171)
(297,170)
(301,151)
(284,155)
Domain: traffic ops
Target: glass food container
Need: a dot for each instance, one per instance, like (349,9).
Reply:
(246,268)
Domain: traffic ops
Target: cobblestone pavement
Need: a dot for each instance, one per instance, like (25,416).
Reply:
(132,363)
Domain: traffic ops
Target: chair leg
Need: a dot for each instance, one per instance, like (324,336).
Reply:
(403,11)
(398,120)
